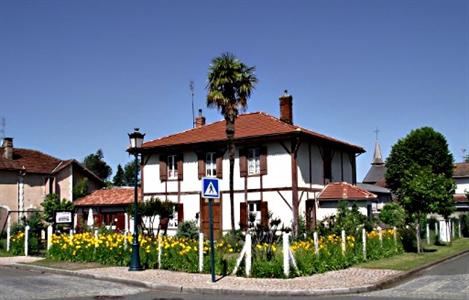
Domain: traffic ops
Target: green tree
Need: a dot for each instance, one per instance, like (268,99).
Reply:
(393,214)
(119,178)
(230,84)
(81,188)
(419,172)
(52,203)
(129,173)
(96,164)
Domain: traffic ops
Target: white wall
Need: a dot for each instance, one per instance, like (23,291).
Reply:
(462,185)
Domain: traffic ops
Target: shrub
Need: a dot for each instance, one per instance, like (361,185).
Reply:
(188,229)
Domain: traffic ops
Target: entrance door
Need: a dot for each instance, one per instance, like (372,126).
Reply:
(310,214)
(204,218)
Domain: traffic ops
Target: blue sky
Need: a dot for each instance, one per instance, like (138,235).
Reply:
(76,76)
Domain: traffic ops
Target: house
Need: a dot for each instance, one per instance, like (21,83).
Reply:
(108,206)
(461,178)
(279,167)
(27,176)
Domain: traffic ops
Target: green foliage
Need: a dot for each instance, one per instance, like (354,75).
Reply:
(119,179)
(188,229)
(348,219)
(81,188)
(52,203)
(129,174)
(152,208)
(96,164)
(393,214)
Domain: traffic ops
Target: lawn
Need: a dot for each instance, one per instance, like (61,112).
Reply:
(408,261)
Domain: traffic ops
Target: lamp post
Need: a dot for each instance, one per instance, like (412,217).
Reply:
(136,141)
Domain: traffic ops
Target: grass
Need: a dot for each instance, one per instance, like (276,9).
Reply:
(408,261)
(65,265)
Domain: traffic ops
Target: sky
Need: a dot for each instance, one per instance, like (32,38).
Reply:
(77,76)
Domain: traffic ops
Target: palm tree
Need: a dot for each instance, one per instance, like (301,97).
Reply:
(230,83)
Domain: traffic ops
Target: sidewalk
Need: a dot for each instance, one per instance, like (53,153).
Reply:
(350,280)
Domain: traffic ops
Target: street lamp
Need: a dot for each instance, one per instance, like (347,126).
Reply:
(136,141)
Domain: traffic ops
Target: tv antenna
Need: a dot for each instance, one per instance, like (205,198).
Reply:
(2,129)
(191,87)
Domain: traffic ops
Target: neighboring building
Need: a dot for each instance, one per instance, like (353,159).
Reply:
(109,207)
(375,182)
(461,178)
(279,167)
(27,176)
(335,192)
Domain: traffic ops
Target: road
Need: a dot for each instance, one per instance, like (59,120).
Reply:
(449,280)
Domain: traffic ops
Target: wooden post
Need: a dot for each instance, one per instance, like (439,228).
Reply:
(201,252)
(49,236)
(459,227)
(316,243)
(428,233)
(364,243)
(159,252)
(380,234)
(343,241)
(286,255)
(8,232)
(26,240)
(248,254)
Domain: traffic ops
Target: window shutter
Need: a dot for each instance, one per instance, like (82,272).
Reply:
(243,216)
(243,163)
(163,168)
(264,213)
(201,164)
(180,163)
(220,164)
(263,160)
(180,209)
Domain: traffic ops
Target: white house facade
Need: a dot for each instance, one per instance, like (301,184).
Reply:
(279,168)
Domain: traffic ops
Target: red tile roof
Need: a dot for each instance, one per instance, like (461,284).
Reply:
(33,161)
(247,126)
(461,170)
(108,197)
(460,198)
(344,191)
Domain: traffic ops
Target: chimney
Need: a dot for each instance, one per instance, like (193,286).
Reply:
(286,108)
(7,148)
(199,120)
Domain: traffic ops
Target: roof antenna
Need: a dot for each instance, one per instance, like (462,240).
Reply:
(191,87)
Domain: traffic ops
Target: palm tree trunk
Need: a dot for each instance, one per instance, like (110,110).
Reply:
(231,153)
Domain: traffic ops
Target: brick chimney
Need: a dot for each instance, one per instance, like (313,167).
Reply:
(7,148)
(199,120)
(286,108)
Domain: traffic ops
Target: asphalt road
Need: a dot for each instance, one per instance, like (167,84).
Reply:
(449,280)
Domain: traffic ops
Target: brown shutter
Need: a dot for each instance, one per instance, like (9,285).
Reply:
(243,162)
(263,160)
(219,164)
(163,167)
(180,209)
(243,216)
(264,213)
(201,164)
(180,164)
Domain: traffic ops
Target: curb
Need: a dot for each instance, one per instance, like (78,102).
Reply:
(386,283)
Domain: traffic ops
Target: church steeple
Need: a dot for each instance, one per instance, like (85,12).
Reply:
(377,157)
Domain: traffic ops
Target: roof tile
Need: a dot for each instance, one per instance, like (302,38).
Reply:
(344,191)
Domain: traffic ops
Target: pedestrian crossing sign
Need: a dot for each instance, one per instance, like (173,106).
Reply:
(210,188)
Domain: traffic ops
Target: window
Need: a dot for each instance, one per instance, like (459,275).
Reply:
(210,165)
(172,167)
(254,162)
(254,210)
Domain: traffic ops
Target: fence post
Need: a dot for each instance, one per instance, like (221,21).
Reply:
(159,252)
(75,222)
(364,243)
(459,227)
(286,255)
(394,230)
(428,233)
(453,229)
(343,241)
(49,236)
(8,232)
(380,234)
(26,240)
(316,244)
(248,254)
(201,252)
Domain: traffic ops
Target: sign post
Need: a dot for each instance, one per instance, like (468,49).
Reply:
(210,191)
